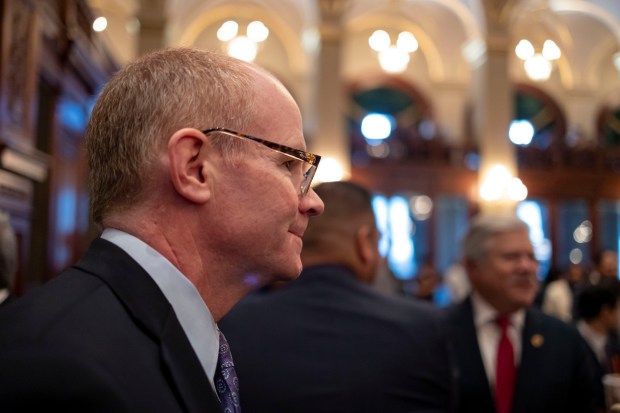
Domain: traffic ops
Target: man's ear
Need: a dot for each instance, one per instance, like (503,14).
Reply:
(365,244)
(187,150)
(367,253)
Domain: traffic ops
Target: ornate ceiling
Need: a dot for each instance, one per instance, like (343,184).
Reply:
(587,31)
(451,35)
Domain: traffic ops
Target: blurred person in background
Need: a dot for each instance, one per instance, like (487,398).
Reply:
(598,324)
(605,269)
(510,357)
(559,295)
(426,282)
(597,306)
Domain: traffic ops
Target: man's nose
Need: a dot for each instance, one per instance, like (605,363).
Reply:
(311,204)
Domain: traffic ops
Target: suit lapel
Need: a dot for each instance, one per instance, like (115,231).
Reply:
(532,357)
(472,375)
(187,373)
(148,306)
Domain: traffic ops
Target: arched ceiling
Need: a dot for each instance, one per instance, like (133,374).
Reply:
(301,15)
(587,31)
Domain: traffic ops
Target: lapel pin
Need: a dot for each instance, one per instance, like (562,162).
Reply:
(537,340)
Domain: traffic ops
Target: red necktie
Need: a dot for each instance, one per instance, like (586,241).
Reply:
(505,370)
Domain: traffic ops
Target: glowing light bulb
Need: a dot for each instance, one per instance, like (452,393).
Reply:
(524,49)
(100,24)
(257,31)
(379,40)
(227,31)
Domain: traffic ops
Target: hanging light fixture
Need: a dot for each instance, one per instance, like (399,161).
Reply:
(243,47)
(393,58)
(500,185)
(538,66)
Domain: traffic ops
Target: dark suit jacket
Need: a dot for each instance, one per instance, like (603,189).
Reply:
(325,343)
(611,365)
(99,337)
(555,374)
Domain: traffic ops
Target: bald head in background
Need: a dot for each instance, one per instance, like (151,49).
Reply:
(346,233)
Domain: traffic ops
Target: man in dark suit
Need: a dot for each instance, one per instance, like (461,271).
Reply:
(193,220)
(510,357)
(598,324)
(327,342)
(597,306)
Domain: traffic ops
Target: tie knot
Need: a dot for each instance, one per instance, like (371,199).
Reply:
(503,321)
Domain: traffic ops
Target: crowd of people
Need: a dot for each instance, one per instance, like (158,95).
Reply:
(223,282)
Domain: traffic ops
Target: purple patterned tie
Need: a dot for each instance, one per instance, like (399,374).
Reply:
(226,382)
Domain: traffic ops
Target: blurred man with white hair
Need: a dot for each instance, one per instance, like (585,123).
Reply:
(510,357)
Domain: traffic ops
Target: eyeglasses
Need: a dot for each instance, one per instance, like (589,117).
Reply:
(310,160)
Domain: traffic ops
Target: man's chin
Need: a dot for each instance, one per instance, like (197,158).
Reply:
(291,274)
(526,299)
(283,276)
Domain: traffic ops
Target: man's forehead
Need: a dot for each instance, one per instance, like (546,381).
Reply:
(512,239)
(516,232)
(266,80)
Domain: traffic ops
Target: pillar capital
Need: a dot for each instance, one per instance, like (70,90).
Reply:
(153,19)
(332,10)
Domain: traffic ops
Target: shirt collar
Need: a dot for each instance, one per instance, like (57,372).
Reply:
(485,313)
(189,307)
(596,340)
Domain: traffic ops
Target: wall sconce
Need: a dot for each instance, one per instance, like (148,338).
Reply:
(538,66)
(393,58)
(244,47)
(500,185)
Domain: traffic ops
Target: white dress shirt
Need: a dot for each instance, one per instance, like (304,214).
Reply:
(558,300)
(489,333)
(596,340)
(189,307)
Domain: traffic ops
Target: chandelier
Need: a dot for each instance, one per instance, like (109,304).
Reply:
(538,65)
(500,185)
(393,58)
(243,47)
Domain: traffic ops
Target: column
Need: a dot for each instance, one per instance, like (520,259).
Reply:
(152,17)
(493,105)
(331,139)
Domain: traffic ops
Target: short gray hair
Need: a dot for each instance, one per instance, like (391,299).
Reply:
(145,103)
(482,228)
